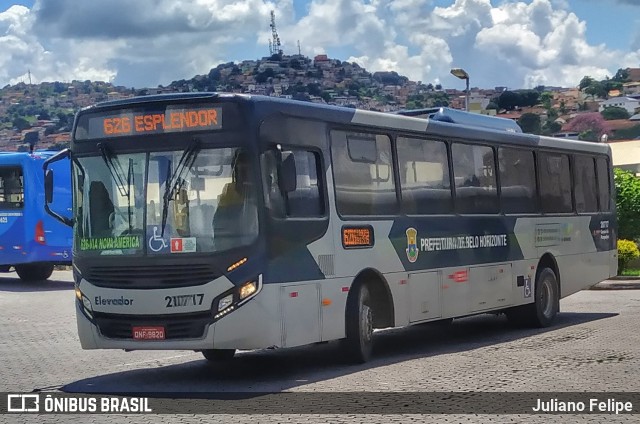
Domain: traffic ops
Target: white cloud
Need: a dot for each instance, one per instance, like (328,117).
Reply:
(149,42)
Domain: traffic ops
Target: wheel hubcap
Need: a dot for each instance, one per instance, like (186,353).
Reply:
(366,323)
(546,298)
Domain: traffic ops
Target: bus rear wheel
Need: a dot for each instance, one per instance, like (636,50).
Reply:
(34,272)
(544,309)
(218,355)
(358,344)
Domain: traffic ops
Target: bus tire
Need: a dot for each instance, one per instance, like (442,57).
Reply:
(218,355)
(34,272)
(546,305)
(358,344)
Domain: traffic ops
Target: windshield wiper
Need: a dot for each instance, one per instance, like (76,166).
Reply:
(117,173)
(176,181)
(113,165)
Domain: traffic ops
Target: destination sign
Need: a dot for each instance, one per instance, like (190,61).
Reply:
(357,237)
(128,122)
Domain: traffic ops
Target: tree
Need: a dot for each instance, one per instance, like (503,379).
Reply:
(592,121)
(546,99)
(627,204)
(20,123)
(585,82)
(621,76)
(615,112)
(551,127)
(530,123)
(508,100)
(596,89)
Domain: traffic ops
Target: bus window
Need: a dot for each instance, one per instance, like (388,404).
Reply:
(517,180)
(604,189)
(306,200)
(555,183)
(424,176)
(584,176)
(475,178)
(11,188)
(363,174)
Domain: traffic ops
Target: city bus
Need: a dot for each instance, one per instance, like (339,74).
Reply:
(220,222)
(31,241)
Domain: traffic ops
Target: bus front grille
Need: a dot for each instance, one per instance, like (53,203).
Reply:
(176,327)
(151,277)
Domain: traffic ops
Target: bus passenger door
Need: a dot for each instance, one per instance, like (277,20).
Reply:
(424,296)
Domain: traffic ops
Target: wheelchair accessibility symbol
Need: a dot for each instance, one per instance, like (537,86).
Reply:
(527,287)
(156,242)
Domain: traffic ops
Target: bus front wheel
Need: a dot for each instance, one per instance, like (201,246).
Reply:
(218,355)
(546,305)
(358,344)
(34,272)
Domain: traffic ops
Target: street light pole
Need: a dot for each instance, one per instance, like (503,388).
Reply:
(462,74)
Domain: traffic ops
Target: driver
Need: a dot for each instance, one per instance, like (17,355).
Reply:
(236,217)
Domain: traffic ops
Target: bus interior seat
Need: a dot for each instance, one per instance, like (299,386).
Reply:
(418,200)
(477,199)
(516,198)
(302,202)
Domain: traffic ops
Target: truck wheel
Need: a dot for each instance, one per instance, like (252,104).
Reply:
(358,344)
(37,272)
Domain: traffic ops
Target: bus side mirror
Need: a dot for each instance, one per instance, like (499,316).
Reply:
(288,174)
(48,186)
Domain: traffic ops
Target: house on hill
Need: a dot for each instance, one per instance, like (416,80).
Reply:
(628,103)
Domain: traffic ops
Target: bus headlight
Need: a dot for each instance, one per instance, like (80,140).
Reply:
(247,289)
(87,308)
(225,302)
(236,297)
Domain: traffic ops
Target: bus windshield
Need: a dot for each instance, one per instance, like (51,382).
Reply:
(165,204)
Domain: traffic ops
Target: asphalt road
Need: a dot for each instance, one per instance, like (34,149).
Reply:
(595,346)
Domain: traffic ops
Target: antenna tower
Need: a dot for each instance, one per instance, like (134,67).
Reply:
(274,46)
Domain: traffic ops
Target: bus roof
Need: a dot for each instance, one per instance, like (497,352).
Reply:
(9,157)
(444,122)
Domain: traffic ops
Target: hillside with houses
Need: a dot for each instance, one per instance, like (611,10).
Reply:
(42,114)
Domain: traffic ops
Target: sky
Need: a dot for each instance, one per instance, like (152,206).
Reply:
(146,43)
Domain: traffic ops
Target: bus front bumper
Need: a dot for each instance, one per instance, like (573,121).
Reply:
(254,325)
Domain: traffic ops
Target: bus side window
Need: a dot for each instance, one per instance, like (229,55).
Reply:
(518,192)
(555,183)
(306,200)
(604,189)
(424,176)
(475,178)
(11,188)
(584,183)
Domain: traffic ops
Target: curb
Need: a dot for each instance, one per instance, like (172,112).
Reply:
(625,278)
(617,285)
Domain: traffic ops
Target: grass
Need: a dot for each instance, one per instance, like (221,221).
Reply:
(631,272)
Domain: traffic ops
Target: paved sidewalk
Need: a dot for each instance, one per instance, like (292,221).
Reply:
(619,283)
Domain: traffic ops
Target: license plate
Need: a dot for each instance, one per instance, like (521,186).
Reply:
(148,333)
